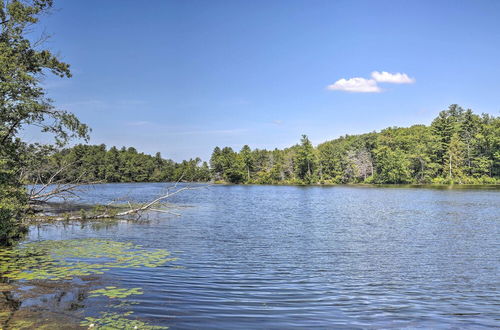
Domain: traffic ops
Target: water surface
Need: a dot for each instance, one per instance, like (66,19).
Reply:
(301,257)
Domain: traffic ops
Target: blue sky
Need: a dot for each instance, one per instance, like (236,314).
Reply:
(181,77)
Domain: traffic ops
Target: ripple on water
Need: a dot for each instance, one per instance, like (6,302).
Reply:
(284,257)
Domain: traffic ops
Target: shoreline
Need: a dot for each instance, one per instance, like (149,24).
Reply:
(372,185)
(223,183)
(367,185)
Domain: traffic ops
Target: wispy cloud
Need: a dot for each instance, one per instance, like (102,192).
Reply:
(393,78)
(85,104)
(234,102)
(355,85)
(215,131)
(159,128)
(364,85)
(96,104)
(138,123)
(131,102)
(55,84)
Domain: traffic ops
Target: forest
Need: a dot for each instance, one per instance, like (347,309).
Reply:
(459,147)
(97,164)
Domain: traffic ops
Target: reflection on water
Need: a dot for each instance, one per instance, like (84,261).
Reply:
(282,257)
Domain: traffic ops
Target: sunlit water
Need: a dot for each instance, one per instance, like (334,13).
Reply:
(301,257)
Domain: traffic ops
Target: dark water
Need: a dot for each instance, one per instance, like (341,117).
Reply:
(301,257)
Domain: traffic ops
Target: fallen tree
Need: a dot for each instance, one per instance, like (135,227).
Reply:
(52,182)
(112,210)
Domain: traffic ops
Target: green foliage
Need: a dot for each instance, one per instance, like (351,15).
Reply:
(22,64)
(305,160)
(216,164)
(23,102)
(393,166)
(12,205)
(458,147)
(94,163)
(247,159)
(229,165)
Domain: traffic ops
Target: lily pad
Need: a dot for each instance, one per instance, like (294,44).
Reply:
(113,292)
(109,321)
(66,259)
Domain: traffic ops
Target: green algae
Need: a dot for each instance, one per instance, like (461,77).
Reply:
(114,292)
(109,321)
(66,259)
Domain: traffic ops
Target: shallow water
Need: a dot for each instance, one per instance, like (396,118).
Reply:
(300,257)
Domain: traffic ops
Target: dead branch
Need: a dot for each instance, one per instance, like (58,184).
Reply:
(53,185)
(43,190)
(137,211)
(63,191)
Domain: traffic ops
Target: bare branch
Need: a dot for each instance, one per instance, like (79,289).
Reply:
(138,211)
(36,194)
(63,191)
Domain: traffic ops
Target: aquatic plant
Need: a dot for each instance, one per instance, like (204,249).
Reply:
(114,292)
(65,259)
(109,321)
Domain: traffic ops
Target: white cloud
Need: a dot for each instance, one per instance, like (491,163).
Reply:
(355,85)
(393,78)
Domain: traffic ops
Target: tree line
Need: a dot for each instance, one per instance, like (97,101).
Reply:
(96,163)
(458,147)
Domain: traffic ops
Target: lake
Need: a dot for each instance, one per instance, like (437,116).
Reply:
(300,257)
